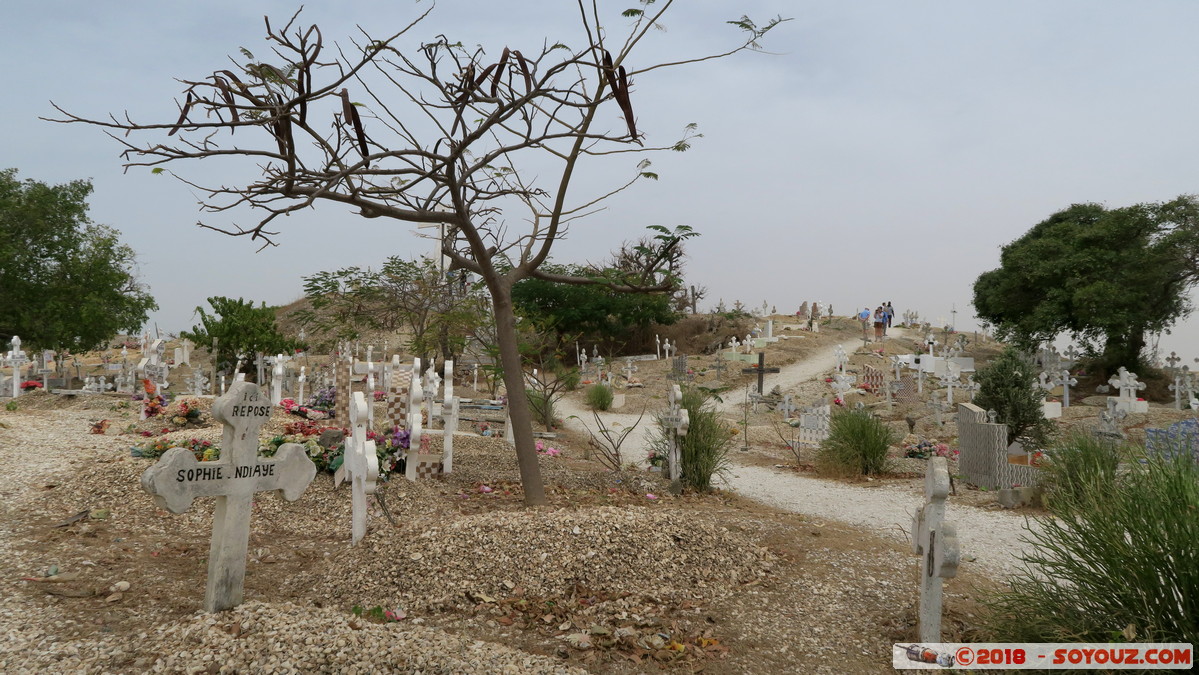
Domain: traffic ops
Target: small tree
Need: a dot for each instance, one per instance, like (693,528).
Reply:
(433,133)
(238,327)
(1008,385)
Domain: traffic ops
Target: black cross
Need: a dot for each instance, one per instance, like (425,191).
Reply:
(761,370)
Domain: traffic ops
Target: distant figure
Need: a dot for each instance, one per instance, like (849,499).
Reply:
(890,314)
(880,322)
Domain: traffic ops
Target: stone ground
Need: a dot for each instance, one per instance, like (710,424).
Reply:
(605,579)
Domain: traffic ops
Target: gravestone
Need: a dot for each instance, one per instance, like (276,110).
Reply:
(935,541)
(841,358)
(909,391)
(814,422)
(177,479)
(983,452)
(1110,427)
(719,366)
(873,378)
(760,370)
(679,371)
(676,422)
(361,466)
(341,389)
(416,398)
(1128,385)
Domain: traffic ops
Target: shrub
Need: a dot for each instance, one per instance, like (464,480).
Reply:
(856,445)
(1079,465)
(599,397)
(541,404)
(1118,561)
(704,451)
(1008,385)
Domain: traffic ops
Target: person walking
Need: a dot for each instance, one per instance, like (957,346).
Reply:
(886,317)
(880,321)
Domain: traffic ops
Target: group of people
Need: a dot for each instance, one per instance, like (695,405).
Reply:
(881,317)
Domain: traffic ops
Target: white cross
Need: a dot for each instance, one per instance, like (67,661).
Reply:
(677,422)
(362,466)
(449,418)
(416,397)
(178,478)
(936,542)
(1064,381)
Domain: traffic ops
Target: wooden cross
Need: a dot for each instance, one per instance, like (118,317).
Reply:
(936,542)
(362,466)
(178,478)
(761,370)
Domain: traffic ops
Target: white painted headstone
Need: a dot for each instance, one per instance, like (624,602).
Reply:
(361,464)
(936,542)
(177,479)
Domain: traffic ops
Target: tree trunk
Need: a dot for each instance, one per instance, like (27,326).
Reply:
(518,403)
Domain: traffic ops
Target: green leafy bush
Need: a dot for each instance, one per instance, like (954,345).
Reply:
(856,445)
(1119,559)
(599,397)
(704,451)
(1008,385)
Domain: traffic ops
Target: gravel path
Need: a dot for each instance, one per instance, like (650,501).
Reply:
(989,538)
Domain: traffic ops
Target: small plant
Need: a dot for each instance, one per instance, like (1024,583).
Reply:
(857,445)
(1118,559)
(599,397)
(541,404)
(608,442)
(11,406)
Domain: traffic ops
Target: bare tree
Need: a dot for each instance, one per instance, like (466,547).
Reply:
(438,134)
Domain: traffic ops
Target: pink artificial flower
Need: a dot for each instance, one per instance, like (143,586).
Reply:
(650,495)
(484,489)
(540,446)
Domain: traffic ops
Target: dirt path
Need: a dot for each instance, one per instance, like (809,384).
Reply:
(989,538)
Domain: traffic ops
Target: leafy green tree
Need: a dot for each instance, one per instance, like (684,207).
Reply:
(1106,276)
(66,282)
(591,312)
(1008,385)
(238,327)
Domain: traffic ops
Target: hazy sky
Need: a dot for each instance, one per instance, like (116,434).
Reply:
(884,151)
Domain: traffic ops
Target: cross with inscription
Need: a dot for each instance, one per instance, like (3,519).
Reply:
(936,542)
(178,478)
(761,370)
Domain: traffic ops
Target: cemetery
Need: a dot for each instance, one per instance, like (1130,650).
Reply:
(499,459)
(399,527)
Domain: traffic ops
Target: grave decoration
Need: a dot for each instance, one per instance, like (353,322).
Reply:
(935,541)
(177,479)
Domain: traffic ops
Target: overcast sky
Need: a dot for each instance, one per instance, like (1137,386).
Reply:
(884,151)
